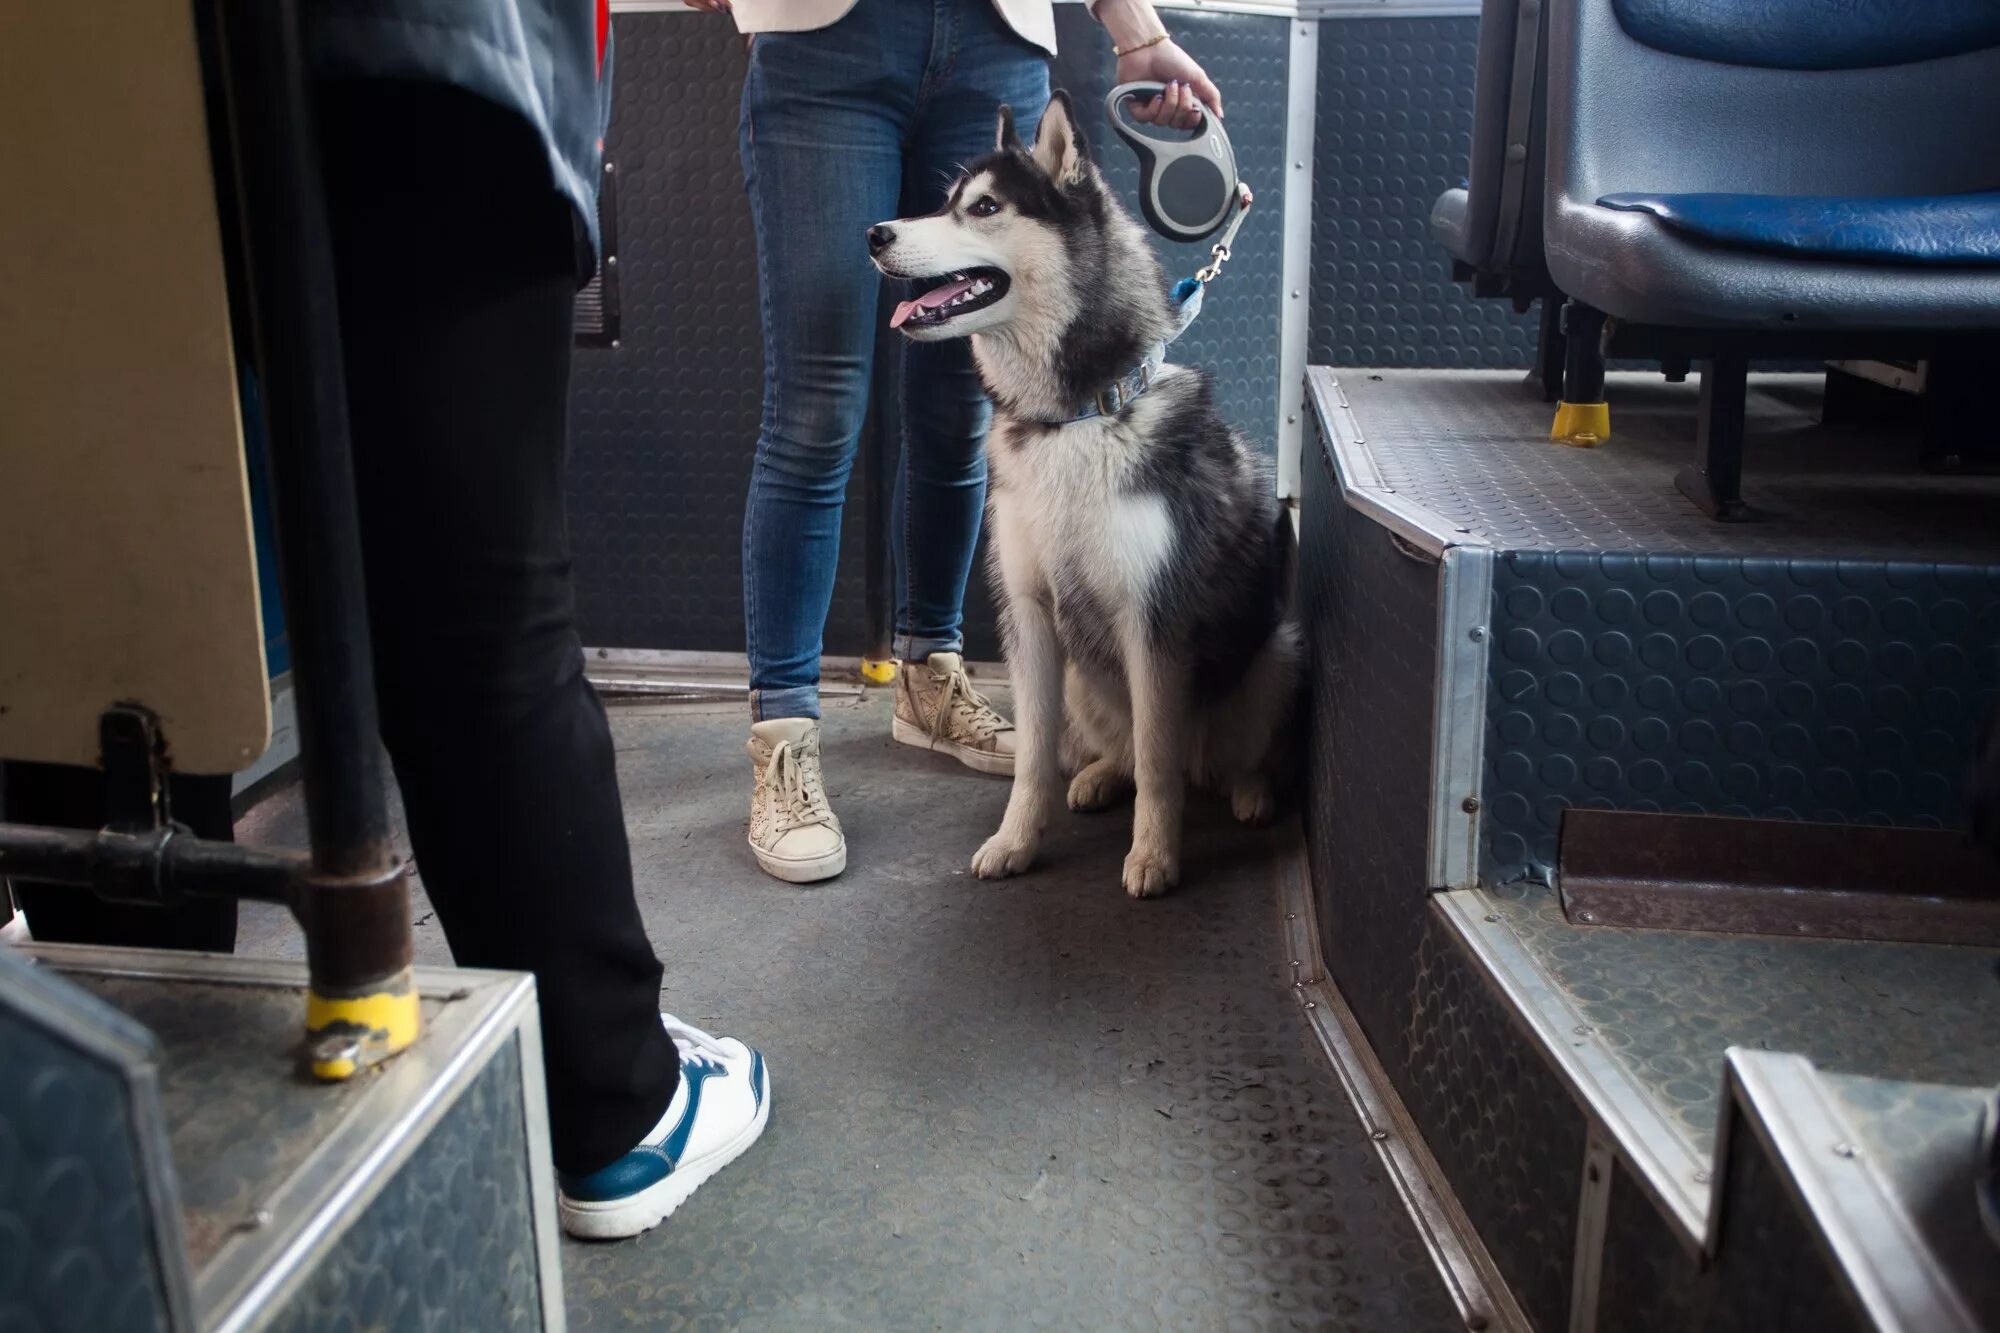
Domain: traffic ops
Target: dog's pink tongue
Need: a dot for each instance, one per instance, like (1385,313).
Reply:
(930,300)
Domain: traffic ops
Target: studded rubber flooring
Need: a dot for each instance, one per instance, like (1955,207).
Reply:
(1670,1003)
(1033,1104)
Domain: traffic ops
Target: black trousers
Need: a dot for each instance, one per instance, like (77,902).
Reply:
(457,275)
(456,264)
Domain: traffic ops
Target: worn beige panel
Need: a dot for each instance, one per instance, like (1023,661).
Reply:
(127,571)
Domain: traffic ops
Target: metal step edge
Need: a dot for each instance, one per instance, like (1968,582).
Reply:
(1660,1154)
(1851,1206)
(1470,1276)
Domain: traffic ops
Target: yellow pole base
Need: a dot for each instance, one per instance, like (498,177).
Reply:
(347,1034)
(878,672)
(1582,425)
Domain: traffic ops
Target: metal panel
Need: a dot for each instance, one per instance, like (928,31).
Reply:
(1394,131)
(448,1243)
(1787,1113)
(90,1233)
(1776,877)
(663,426)
(1500,1121)
(1371,627)
(1921,1141)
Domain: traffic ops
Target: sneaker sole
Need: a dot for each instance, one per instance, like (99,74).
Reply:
(624,1218)
(980,761)
(801,872)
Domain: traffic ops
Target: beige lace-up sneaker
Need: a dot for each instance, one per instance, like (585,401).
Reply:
(937,709)
(793,831)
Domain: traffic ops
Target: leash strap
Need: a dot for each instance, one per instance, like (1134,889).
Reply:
(1219,252)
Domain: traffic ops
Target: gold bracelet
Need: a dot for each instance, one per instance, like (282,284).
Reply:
(1118,50)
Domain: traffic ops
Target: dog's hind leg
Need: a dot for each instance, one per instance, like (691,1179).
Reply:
(1034,660)
(1159,687)
(1098,785)
(1100,732)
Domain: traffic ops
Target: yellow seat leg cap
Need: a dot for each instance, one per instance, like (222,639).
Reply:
(1582,425)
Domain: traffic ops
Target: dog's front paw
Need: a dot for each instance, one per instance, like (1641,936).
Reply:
(1150,872)
(1097,786)
(1003,855)
(1252,801)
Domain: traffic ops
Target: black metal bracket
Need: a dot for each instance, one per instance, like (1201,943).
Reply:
(136,796)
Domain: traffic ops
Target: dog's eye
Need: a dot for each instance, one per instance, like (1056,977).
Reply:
(985,206)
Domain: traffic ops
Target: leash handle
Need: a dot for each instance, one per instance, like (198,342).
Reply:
(1186,186)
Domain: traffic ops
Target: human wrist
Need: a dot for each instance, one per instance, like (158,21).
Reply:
(1129,22)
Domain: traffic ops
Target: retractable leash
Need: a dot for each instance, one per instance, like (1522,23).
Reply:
(1188,189)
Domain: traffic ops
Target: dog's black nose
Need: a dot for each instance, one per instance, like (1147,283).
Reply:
(880,237)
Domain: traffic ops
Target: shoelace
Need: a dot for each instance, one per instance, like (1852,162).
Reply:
(805,803)
(960,700)
(695,1046)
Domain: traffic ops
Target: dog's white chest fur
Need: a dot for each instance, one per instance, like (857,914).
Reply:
(1066,513)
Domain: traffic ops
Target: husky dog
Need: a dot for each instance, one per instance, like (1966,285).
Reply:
(1137,542)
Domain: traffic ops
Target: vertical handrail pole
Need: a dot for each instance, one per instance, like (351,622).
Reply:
(354,906)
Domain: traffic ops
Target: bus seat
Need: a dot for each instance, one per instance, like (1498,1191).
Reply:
(127,573)
(1780,166)
(1770,179)
(1491,224)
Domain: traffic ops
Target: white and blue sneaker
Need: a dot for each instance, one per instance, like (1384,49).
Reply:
(718,1111)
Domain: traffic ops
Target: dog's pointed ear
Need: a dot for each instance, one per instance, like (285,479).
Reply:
(1004,137)
(1058,147)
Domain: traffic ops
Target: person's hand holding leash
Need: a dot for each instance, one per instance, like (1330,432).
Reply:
(1146,54)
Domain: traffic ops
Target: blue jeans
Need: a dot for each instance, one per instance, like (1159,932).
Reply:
(853,124)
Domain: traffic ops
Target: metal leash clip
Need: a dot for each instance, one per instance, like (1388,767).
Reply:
(1219,252)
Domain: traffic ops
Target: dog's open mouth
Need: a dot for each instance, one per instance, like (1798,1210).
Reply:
(951,296)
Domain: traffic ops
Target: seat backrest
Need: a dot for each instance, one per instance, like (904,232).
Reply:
(1783,97)
(127,572)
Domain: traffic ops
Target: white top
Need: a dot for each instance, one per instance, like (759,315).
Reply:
(1033,19)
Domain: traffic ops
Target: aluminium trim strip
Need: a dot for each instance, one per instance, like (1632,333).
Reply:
(1663,1159)
(1295,285)
(1593,1214)
(541,1171)
(1458,722)
(1361,483)
(1470,1276)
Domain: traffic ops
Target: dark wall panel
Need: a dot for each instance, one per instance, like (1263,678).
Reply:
(1393,133)
(664,424)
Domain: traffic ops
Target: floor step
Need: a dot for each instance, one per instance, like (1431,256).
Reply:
(1505,629)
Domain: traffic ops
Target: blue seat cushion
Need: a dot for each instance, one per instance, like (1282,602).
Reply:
(1943,229)
(1812,34)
